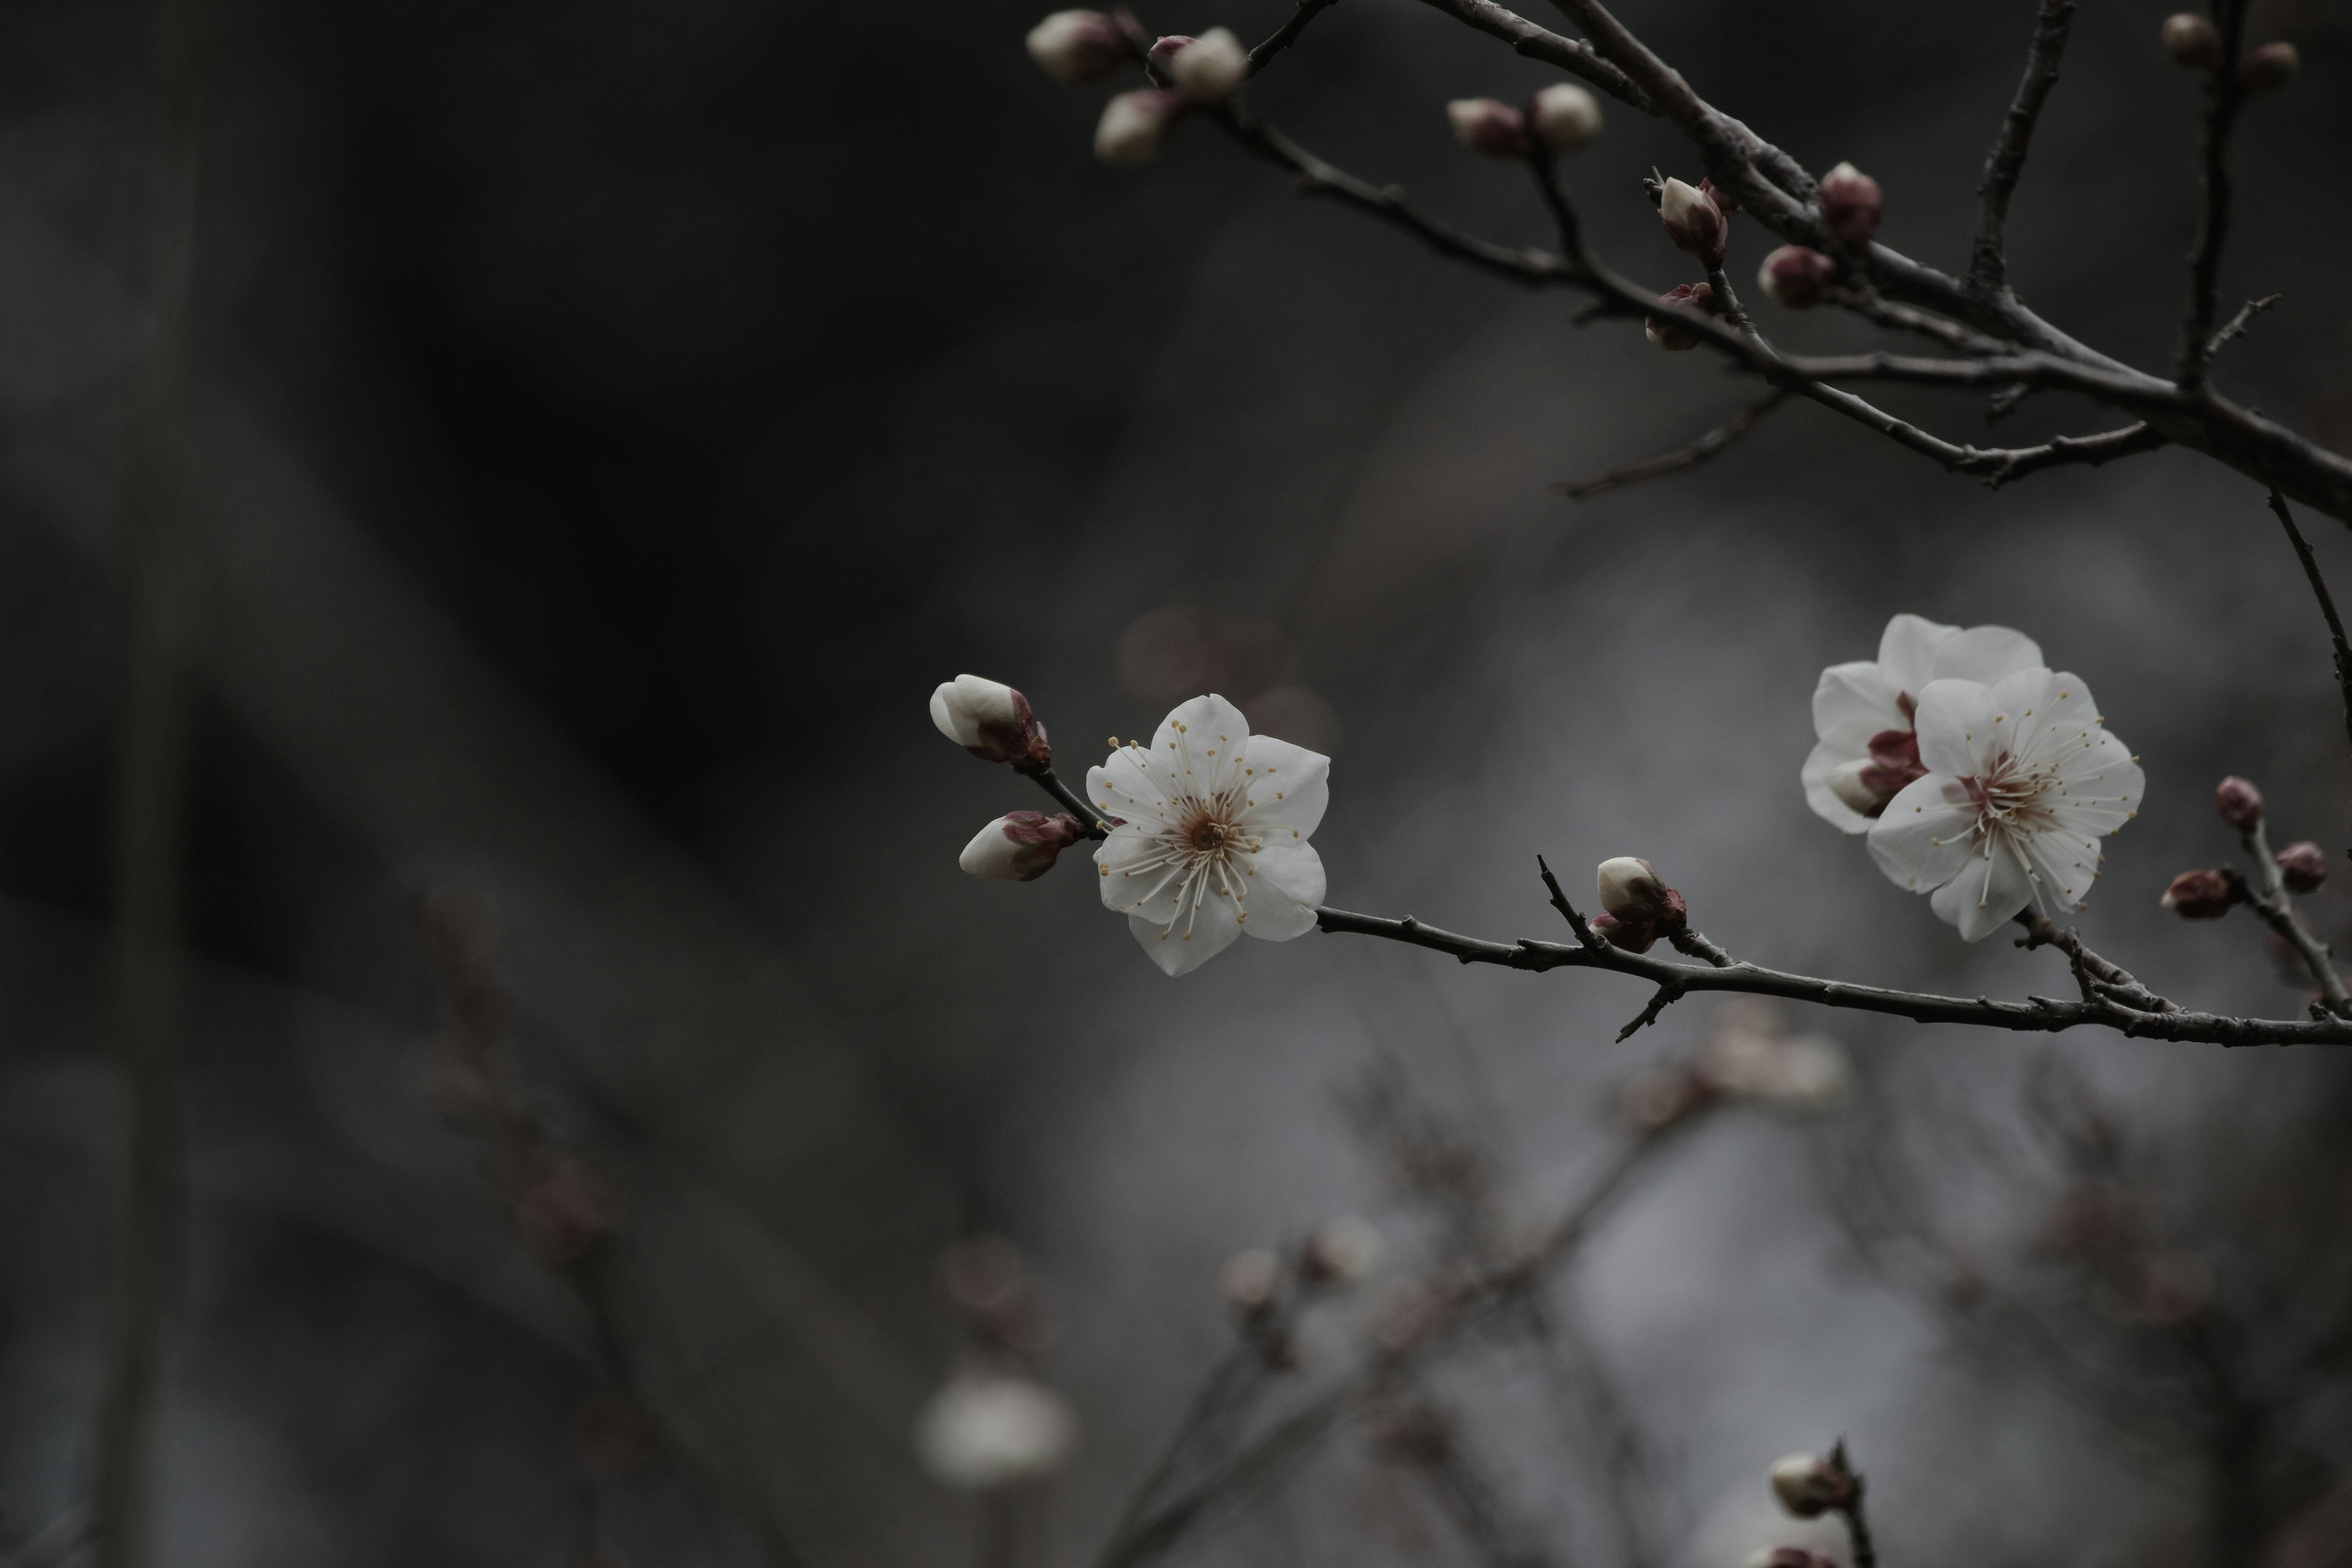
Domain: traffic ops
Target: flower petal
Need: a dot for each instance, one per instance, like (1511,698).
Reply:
(1852,704)
(1195,742)
(1131,784)
(1955,727)
(1988,891)
(1984,654)
(1285,891)
(1906,652)
(1186,944)
(1815,775)
(1926,836)
(1286,787)
(1138,875)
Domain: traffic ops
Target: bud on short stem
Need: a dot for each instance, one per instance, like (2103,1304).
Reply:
(2271,66)
(1795,278)
(2202,895)
(1693,222)
(2240,803)
(1809,1486)
(1489,126)
(1078,46)
(1637,907)
(1250,1282)
(2192,41)
(2303,867)
(1019,845)
(1135,125)
(990,720)
(1566,118)
(1696,297)
(1851,203)
(1210,68)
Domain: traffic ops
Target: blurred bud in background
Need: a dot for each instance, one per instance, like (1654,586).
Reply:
(1076,46)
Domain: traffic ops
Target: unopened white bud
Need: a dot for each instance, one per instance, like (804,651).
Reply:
(1019,845)
(1809,1486)
(1135,125)
(1489,126)
(990,720)
(1075,46)
(1212,67)
(1342,1252)
(1566,117)
(1693,222)
(1250,1280)
(984,1430)
(1625,885)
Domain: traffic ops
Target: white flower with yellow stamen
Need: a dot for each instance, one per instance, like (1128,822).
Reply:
(1212,840)
(2022,782)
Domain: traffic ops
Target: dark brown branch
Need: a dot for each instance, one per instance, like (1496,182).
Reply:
(1282,37)
(2095,973)
(2326,601)
(2069,451)
(1571,54)
(2037,1014)
(1096,824)
(2239,323)
(2276,907)
(1682,459)
(1865,302)
(1989,265)
(2223,97)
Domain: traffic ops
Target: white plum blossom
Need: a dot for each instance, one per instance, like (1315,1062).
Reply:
(985,1429)
(2022,780)
(1211,840)
(1863,712)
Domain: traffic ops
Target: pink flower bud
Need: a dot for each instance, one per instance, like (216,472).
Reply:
(1168,45)
(1637,907)
(1485,125)
(1794,277)
(1695,297)
(1019,845)
(990,720)
(1809,1486)
(1134,126)
(2239,802)
(1851,203)
(2192,41)
(2303,867)
(1250,1281)
(1724,202)
(2273,65)
(2201,895)
(1566,117)
(1693,222)
(1210,68)
(1075,47)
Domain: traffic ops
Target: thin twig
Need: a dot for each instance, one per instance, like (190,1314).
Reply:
(2223,96)
(1682,459)
(2326,601)
(1571,55)
(1287,34)
(2276,907)
(1095,823)
(1989,265)
(2238,324)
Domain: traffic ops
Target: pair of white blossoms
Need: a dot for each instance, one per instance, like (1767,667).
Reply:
(1983,778)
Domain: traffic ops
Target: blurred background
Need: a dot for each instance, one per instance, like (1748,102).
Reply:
(609,421)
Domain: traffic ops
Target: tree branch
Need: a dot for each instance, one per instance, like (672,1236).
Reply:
(2319,589)
(1989,265)
(2222,98)
(1571,54)
(1287,34)
(1682,459)
(2276,906)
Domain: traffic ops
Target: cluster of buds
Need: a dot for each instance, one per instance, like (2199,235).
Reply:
(1749,1054)
(2209,894)
(1796,278)
(1079,46)
(1692,299)
(1562,117)
(1636,908)
(992,1425)
(2195,44)
(1697,218)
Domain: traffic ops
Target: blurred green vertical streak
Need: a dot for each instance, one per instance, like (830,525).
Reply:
(150,789)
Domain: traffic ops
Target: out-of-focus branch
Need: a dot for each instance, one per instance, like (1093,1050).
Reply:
(1571,55)
(1989,265)
(1287,34)
(2223,96)
(2326,601)
(1682,459)
(2276,907)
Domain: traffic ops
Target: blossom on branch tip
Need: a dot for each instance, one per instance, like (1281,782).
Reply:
(1698,298)
(990,720)
(2022,782)
(1212,836)
(1863,712)
(986,1429)
(1637,907)
(1566,117)
(1019,845)
(2239,803)
(1135,125)
(2303,867)
(1809,1486)
(1489,126)
(1209,68)
(2202,895)
(1794,277)
(2192,41)
(1693,222)
(1851,203)
(2273,65)
(1078,46)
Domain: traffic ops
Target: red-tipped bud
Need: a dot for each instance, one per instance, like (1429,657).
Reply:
(990,720)
(1166,47)
(2201,895)
(2303,867)
(1851,203)
(1019,845)
(2273,65)
(1489,126)
(1637,907)
(1693,222)
(1566,118)
(1795,278)
(1695,297)
(1724,202)
(1250,1281)
(1134,126)
(1075,47)
(1809,1486)
(1210,68)
(2240,802)
(2192,41)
